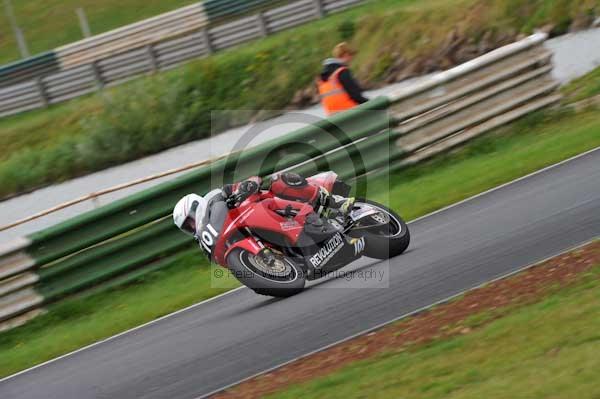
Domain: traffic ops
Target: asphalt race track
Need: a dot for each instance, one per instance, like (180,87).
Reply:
(222,341)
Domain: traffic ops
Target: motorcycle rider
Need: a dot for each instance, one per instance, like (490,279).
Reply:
(292,186)
(287,185)
(320,226)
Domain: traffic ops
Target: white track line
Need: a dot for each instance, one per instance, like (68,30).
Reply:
(240,288)
(122,333)
(385,323)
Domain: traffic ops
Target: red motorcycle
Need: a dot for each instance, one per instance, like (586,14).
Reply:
(273,244)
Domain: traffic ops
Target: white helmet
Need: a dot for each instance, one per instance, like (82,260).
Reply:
(188,213)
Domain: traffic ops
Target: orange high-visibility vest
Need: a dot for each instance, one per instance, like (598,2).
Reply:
(334,97)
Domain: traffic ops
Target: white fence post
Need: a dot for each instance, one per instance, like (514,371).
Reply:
(17,30)
(83,23)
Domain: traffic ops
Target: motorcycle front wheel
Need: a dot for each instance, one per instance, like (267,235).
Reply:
(282,278)
(389,240)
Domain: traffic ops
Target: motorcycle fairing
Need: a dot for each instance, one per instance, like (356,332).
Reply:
(249,244)
(333,254)
(260,213)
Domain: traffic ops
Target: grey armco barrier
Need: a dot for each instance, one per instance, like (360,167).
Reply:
(19,301)
(134,235)
(155,44)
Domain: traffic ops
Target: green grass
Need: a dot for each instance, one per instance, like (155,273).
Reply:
(153,113)
(510,152)
(544,350)
(52,23)
(583,87)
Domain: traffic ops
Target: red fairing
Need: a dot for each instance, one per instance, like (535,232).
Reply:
(265,212)
(259,212)
(249,244)
(325,180)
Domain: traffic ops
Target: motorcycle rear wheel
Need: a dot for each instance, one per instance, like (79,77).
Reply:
(388,242)
(283,279)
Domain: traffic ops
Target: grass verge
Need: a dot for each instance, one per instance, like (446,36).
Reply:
(583,87)
(508,153)
(150,114)
(546,348)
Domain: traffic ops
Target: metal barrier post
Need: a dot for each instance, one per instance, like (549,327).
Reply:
(42,91)
(319,10)
(207,42)
(262,25)
(152,61)
(97,74)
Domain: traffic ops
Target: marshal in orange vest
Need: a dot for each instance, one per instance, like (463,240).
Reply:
(334,97)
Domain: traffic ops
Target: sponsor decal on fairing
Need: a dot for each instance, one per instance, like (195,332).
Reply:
(289,225)
(327,251)
(359,245)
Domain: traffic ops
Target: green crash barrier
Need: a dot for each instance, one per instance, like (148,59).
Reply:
(117,218)
(306,143)
(116,257)
(146,206)
(103,250)
(357,159)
